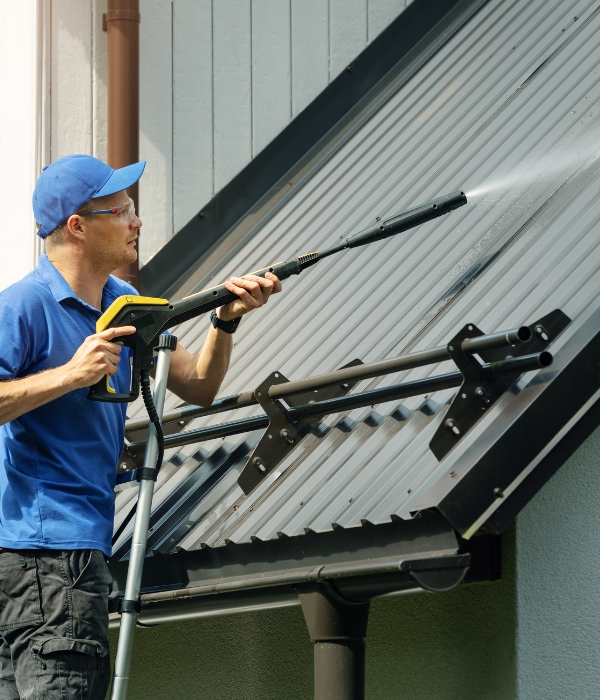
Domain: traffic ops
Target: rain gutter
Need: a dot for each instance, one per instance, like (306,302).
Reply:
(357,564)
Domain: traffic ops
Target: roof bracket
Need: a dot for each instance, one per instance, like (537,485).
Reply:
(283,435)
(478,392)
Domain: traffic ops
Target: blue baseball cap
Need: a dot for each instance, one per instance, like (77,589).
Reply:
(70,182)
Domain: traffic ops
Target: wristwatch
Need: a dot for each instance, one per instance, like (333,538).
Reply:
(226,326)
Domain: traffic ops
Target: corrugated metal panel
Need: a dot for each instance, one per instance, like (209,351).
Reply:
(511,103)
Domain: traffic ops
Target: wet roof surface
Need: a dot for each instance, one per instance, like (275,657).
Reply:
(508,111)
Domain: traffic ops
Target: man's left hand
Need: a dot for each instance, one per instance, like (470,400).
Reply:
(252,293)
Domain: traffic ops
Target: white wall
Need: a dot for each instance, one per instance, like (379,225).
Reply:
(219,79)
(558,582)
(77,77)
(52,102)
(20,136)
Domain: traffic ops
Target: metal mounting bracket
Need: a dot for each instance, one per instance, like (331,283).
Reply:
(169,428)
(477,393)
(282,435)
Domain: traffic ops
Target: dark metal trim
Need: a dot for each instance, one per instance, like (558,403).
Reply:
(529,487)
(305,144)
(556,402)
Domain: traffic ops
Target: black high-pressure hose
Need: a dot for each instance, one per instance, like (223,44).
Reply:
(146,392)
(153,415)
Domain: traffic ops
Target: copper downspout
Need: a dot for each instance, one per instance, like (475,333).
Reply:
(122,23)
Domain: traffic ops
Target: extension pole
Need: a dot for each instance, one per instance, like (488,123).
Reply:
(130,604)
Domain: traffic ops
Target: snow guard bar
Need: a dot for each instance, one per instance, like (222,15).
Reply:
(294,408)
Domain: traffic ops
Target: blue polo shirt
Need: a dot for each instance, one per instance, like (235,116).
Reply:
(57,462)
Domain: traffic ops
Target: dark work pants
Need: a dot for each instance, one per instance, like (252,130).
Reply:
(54,625)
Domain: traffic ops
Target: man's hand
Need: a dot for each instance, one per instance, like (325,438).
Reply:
(95,358)
(252,292)
(197,378)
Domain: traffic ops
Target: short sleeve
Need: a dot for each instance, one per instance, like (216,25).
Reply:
(15,340)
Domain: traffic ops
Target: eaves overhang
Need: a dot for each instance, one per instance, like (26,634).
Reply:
(357,565)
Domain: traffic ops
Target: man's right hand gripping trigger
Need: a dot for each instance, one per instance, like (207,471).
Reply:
(96,357)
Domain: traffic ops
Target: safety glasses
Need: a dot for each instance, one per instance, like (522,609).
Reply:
(123,214)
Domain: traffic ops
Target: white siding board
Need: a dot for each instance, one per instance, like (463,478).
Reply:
(17,138)
(71,77)
(219,79)
(347,33)
(192,108)
(271,70)
(99,81)
(232,89)
(381,13)
(310,51)
(156,125)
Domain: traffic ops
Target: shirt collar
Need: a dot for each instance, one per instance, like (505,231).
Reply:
(112,290)
(60,289)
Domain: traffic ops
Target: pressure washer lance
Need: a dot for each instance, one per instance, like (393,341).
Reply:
(152,317)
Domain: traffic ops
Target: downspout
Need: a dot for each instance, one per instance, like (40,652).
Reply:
(122,24)
(337,627)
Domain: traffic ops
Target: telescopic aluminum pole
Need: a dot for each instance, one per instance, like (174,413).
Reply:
(130,604)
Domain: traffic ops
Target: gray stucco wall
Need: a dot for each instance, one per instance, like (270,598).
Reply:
(558,574)
(454,646)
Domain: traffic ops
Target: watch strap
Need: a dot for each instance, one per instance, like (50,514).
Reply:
(225,326)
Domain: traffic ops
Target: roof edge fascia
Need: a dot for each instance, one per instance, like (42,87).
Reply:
(515,449)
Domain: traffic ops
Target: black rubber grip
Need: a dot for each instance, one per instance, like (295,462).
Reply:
(129,606)
(146,473)
(167,341)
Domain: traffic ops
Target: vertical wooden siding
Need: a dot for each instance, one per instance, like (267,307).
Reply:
(219,80)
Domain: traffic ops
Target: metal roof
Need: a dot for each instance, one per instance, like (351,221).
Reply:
(508,110)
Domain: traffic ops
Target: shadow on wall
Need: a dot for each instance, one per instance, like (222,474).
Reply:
(558,555)
(455,646)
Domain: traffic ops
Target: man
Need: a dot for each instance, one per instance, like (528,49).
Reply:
(59,450)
